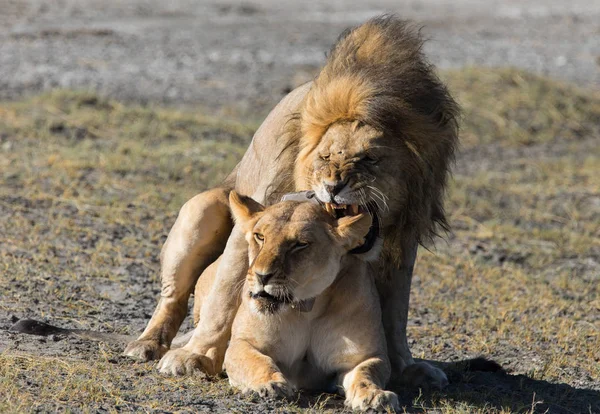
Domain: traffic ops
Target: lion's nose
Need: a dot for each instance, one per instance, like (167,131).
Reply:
(263,278)
(335,188)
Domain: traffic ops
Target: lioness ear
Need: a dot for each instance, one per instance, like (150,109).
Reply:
(243,207)
(352,230)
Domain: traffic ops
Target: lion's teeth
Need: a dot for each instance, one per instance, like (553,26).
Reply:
(354,209)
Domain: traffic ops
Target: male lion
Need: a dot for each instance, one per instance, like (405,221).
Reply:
(375,130)
(310,316)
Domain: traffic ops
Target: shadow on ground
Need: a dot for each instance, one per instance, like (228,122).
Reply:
(479,391)
(513,393)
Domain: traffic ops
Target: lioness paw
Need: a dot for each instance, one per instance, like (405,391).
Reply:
(374,399)
(183,362)
(271,389)
(423,375)
(145,350)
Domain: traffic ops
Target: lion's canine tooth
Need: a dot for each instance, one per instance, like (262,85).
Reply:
(354,209)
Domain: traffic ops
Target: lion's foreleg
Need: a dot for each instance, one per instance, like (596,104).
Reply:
(196,240)
(217,313)
(394,307)
(203,288)
(395,304)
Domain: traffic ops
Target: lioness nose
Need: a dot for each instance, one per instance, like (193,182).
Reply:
(263,278)
(335,188)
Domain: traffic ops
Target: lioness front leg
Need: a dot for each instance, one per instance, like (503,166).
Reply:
(197,238)
(209,341)
(364,385)
(395,303)
(251,371)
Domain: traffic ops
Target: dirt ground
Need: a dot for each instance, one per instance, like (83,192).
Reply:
(169,96)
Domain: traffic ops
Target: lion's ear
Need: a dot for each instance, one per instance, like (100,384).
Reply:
(352,230)
(243,208)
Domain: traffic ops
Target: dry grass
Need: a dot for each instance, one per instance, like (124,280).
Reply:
(91,186)
(514,108)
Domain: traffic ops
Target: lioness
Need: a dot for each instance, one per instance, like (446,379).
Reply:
(298,255)
(375,130)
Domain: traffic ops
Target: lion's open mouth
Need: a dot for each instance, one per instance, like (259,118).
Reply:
(343,210)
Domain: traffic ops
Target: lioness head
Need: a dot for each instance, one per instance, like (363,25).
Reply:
(295,249)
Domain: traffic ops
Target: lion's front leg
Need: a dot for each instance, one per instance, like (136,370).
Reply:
(395,303)
(196,240)
(206,349)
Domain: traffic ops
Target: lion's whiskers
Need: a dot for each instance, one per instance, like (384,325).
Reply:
(363,199)
(379,197)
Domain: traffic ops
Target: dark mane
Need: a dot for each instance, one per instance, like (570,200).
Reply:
(377,74)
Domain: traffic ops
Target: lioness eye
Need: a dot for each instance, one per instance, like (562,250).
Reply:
(324,157)
(259,237)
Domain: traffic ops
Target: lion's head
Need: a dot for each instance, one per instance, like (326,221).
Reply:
(377,131)
(295,249)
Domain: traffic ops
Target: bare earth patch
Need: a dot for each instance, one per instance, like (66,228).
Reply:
(90,188)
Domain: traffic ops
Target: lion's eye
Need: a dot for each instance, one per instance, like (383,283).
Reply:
(259,237)
(300,245)
(324,157)
(369,159)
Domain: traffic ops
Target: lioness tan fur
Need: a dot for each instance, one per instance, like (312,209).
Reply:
(299,252)
(376,129)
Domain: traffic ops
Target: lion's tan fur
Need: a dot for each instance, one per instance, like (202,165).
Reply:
(376,96)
